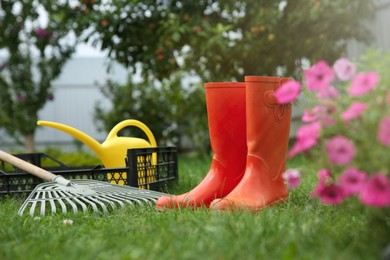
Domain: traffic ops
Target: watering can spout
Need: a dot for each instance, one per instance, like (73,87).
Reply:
(86,139)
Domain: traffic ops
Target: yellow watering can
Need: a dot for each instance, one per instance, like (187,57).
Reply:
(113,151)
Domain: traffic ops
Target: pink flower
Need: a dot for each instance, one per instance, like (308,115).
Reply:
(328,120)
(324,177)
(21,98)
(354,111)
(363,83)
(327,117)
(292,177)
(330,92)
(307,137)
(376,192)
(319,113)
(332,194)
(329,193)
(384,131)
(311,115)
(42,33)
(352,181)
(319,76)
(310,131)
(340,150)
(288,92)
(344,69)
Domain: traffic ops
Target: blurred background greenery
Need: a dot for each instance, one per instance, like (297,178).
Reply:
(166,42)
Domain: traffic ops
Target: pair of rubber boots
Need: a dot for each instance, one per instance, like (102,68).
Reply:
(249,133)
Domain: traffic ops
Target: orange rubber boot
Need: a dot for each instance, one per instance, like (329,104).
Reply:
(268,128)
(226,118)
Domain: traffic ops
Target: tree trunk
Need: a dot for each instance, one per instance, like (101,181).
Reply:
(29,143)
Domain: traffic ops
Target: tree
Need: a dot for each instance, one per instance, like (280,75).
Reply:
(217,40)
(160,105)
(223,40)
(35,55)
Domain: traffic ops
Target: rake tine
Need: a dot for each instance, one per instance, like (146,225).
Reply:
(82,204)
(90,203)
(104,207)
(32,209)
(94,202)
(117,200)
(43,204)
(71,203)
(52,204)
(62,204)
(146,201)
(64,207)
(22,208)
(138,199)
(102,198)
(130,200)
(142,198)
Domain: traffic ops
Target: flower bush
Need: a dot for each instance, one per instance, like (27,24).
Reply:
(346,128)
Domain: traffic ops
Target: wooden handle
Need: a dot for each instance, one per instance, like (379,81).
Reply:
(26,166)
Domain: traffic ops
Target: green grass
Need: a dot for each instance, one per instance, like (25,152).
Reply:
(302,228)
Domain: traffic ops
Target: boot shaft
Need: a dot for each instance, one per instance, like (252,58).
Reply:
(226,119)
(268,123)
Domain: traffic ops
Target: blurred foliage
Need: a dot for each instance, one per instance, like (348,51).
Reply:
(172,108)
(223,40)
(371,155)
(216,40)
(164,39)
(35,54)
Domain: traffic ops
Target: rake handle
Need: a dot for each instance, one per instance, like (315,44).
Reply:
(26,166)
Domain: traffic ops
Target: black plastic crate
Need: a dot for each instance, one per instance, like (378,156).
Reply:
(149,168)
(155,167)
(39,159)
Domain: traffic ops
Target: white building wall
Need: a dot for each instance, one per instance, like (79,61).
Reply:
(379,28)
(76,92)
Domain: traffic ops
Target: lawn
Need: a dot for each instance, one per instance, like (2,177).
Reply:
(302,228)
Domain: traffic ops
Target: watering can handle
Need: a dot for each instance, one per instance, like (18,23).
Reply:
(132,122)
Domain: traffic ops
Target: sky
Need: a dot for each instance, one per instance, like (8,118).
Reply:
(86,50)
(83,50)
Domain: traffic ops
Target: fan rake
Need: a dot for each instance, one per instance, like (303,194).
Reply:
(60,194)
